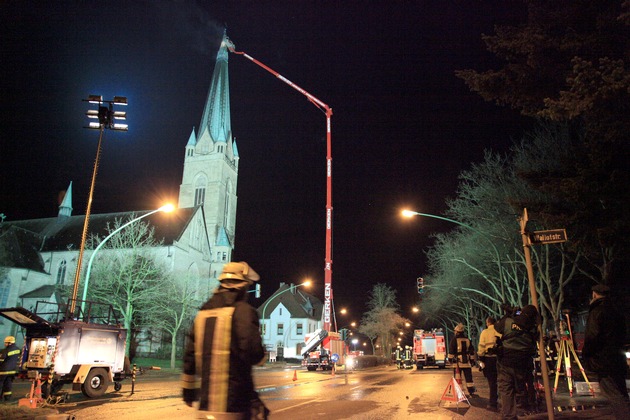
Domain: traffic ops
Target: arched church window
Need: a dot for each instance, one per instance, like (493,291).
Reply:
(61,272)
(200,190)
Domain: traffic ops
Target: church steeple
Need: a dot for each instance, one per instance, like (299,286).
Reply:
(211,166)
(65,209)
(216,114)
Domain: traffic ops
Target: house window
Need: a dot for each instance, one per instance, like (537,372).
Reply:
(298,329)
(61,272)
(280,329)
(224,256)
(280,311)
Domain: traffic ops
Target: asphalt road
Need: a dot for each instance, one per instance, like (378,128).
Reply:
(290,393)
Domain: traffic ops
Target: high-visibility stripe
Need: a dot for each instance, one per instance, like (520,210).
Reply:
(190,381)
(212,355)
(13,352)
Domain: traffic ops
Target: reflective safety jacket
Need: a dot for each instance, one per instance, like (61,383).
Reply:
(9,357)
(462,350)
(221,349)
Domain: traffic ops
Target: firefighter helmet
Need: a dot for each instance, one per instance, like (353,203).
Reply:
(237,275)
(9,340)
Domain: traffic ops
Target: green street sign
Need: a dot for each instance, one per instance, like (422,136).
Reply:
(541,237)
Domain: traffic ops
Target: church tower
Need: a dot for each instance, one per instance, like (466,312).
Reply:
(211,167)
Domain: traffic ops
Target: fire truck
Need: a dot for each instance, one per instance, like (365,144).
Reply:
(429,348)
(59,350)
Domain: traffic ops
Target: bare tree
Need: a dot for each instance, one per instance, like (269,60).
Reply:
(127,275)
(176,308)
(382,320)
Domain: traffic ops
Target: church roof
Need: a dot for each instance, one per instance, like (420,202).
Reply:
(298,303)
(216,114)
(25,239)
(41,292)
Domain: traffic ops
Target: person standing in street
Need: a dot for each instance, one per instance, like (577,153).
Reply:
(603,350)
(221,349)
(515,356)
(462,354)
(9,357)
(487,356)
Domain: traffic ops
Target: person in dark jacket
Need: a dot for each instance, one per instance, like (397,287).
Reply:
(515,357)
(9,357)
(461,352)
(603,350)
(221,349)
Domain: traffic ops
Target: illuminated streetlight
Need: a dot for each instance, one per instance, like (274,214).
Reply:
(305,283)
(106,117)
(410,213)
(166,208)
(354,344)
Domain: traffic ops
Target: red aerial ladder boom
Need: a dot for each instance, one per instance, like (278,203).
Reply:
(328,293)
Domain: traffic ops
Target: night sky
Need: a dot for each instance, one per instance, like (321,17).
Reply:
(403,126)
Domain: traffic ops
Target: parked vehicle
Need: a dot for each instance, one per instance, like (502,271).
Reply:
(63,350)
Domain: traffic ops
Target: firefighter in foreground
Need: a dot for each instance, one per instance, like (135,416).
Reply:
(221,349)
(462,355)
(8,366)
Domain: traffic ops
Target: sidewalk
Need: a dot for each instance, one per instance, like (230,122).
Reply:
(584,406)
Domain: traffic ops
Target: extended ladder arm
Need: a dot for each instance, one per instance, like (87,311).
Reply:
(328,294)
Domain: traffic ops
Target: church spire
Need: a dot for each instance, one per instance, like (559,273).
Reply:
(65,209)
(216,114)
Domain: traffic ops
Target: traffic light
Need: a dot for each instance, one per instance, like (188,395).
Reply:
(344,334)
(420,281)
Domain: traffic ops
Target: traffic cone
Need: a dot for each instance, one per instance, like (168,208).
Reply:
(295,375)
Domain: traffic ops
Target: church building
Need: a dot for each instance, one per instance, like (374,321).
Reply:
(38,257)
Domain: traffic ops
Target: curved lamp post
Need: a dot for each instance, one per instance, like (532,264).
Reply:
(166,208)
(410,213)
(306,283)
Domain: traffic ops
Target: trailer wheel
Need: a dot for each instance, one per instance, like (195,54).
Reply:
(117,386)
(95,384)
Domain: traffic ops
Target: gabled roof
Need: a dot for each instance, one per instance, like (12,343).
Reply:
(296,301)
(20,247)
(28,237)
(40,292)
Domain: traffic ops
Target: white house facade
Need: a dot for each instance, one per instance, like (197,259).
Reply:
(286,318)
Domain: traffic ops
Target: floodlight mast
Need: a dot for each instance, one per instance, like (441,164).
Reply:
(328,293)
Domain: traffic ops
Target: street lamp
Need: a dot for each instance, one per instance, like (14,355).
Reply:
(106,117)
(166,208)
(410,213)
(354,344)
(305,283)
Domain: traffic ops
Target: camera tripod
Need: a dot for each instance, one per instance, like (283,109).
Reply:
(565,351)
